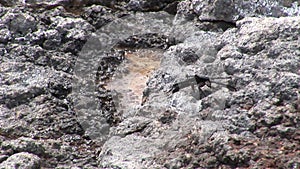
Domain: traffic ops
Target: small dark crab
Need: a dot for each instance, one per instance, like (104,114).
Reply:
(195,80)
(192,81)
(199,81)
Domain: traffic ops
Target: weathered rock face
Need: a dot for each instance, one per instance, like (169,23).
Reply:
(38,53)
(219,15)
(68,69)
(231,11)
(225,128)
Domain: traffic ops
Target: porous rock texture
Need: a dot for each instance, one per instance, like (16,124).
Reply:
(22,160)
(57,58)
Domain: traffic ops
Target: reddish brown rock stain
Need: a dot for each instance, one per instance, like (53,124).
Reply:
(139,65)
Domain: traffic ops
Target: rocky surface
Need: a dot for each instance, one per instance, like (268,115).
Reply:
(22,160)
(67,66)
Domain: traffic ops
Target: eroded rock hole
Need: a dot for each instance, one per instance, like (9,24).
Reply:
(129,81)
(121,79)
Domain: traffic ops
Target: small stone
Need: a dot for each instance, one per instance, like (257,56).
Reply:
(5,35)
(22,160)
(19,23)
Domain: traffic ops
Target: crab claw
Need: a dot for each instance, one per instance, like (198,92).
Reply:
(208,83)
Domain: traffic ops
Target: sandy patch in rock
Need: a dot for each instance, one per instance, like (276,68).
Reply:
(130,79)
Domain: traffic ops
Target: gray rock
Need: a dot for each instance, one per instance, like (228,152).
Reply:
(71,31)
(54,102)
(122,153)
(152,5)
(222,113)
(53,39)
(22,160)
(24,145)
(5,35)
(19,23)
(98,16)
(35,81)
(231,11)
